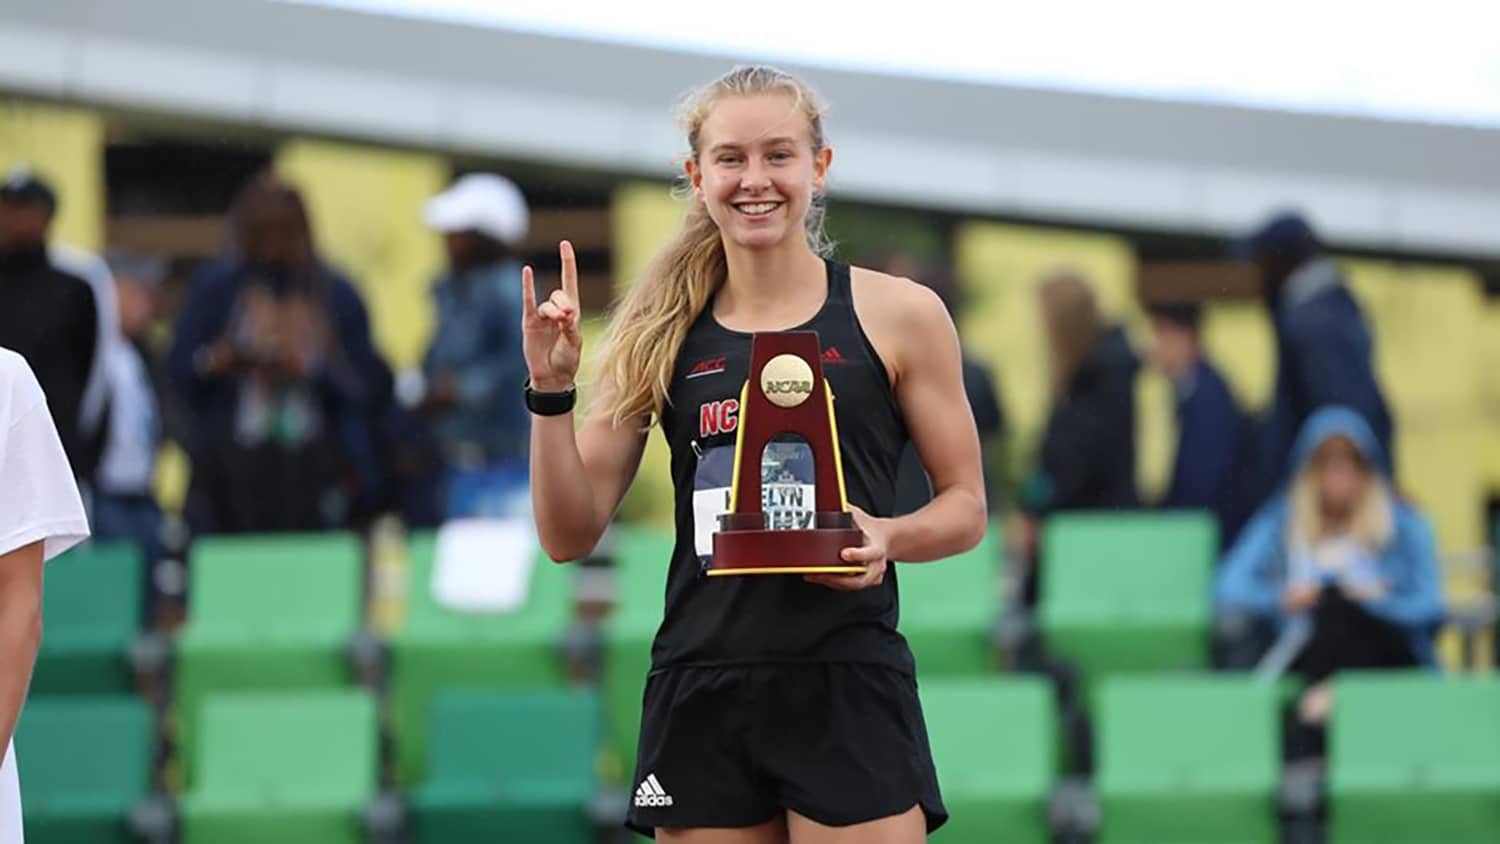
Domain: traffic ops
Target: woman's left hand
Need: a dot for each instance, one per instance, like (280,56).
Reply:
(871,554)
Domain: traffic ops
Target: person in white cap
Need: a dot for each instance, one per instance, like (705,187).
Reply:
(475,360)
(41,516)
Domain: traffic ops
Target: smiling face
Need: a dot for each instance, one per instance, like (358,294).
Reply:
(758,163)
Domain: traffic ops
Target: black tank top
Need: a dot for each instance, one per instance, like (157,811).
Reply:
(777,618)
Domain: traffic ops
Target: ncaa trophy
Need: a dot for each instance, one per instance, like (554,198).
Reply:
(785,396)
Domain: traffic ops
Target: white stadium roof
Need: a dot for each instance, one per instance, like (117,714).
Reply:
(939,132)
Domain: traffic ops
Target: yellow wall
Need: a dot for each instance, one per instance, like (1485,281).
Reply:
(1429,327)
(644,216)
(1490,398)
(1239,339)
(66,146)
(1000,267)
(366,207)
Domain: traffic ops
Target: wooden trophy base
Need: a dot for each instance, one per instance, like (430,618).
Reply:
(744,546)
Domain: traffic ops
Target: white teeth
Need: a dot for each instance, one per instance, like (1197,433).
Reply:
(757,207)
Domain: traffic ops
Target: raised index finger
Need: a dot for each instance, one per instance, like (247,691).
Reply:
(569,271)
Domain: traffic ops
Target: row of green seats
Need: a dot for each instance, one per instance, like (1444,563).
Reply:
(279,612)
(1183,758)
(302,766)
(948,626)
(1415,757)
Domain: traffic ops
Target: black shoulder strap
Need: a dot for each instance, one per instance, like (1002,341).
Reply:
(838,282)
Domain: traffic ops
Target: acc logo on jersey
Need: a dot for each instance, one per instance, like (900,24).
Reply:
(707,366)
(718,417)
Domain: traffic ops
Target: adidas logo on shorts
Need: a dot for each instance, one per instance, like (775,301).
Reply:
(650,793)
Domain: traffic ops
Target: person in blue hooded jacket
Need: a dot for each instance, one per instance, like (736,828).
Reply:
(1338,555)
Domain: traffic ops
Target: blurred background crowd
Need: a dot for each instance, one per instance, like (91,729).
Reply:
(308,320)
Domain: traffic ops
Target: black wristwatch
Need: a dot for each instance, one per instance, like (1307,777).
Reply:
(550,404)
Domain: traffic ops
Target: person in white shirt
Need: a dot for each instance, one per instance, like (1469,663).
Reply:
(41,516)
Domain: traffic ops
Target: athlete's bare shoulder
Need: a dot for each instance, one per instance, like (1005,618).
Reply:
(897,313)
(882,296)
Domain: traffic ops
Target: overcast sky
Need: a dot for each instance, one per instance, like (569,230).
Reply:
(1435,60)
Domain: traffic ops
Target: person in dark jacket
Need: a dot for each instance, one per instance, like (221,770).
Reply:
(273,359)
(1087,459)
(1213,437)
(1324,350)
(1088,448)
(48,313)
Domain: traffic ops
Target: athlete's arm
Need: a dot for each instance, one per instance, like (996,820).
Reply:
(919,341)
(578,477)
(20,630)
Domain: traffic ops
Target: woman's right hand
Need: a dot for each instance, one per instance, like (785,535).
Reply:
(550,337)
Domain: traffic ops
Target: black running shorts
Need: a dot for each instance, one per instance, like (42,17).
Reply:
(839,743)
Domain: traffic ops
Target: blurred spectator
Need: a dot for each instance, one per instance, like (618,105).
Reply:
(474,368)
(1087,458)
(51,313)
(274,362)
(1323,345)
(913,488)
(1214,439)
(124,504)
(1337,559)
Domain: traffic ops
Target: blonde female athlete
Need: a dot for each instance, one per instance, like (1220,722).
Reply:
(778,708)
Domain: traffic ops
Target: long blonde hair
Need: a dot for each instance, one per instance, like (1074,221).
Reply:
(650,322)
(1072,315)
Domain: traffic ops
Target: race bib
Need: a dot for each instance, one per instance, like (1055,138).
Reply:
(788,490)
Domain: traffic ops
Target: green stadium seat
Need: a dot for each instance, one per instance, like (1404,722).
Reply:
(294,767)
(1128,591)
(514,766)
(268,612)
(1188,758)
(1414,757)
(642,555)
(91,612)
(438,648)
(949,609)
(86,764)
(994,743)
